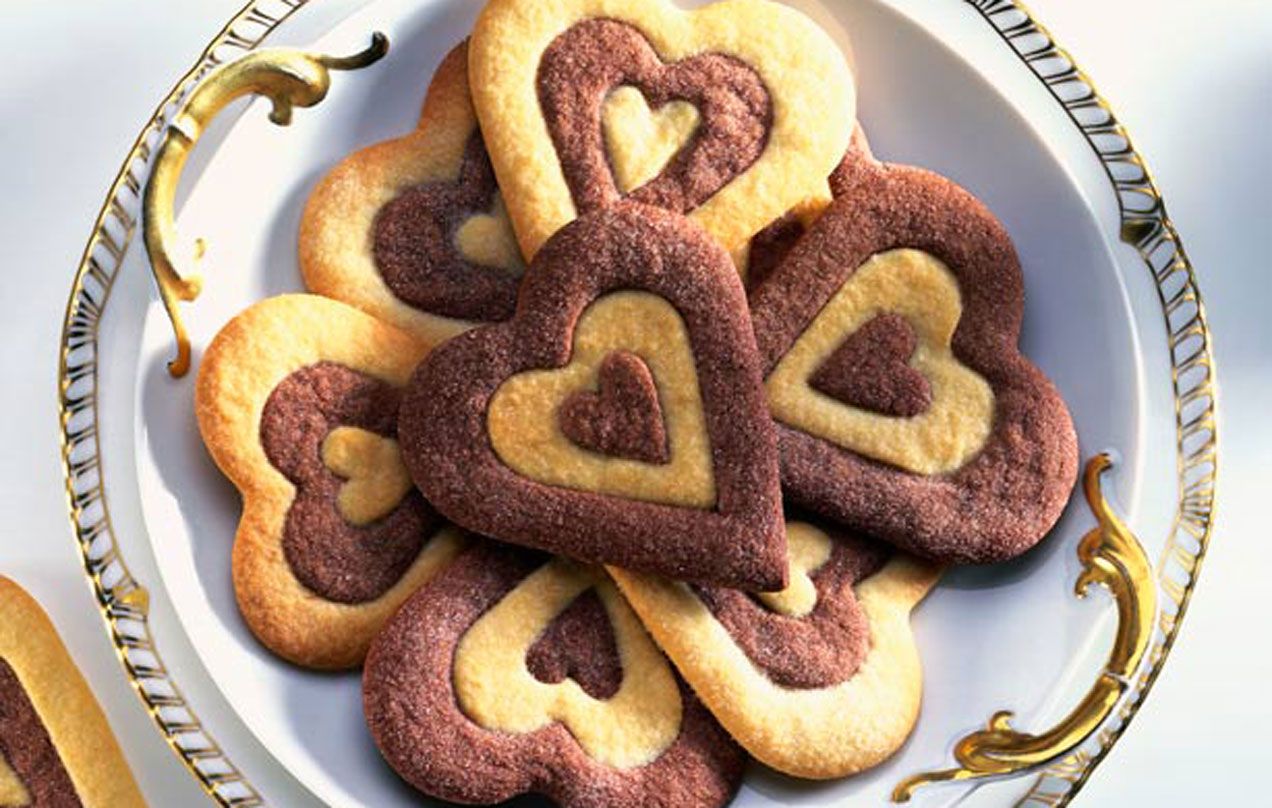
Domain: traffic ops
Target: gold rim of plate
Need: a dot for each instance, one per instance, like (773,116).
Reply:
(1144,224)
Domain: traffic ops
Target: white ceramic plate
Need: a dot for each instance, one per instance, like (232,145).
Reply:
(939,87)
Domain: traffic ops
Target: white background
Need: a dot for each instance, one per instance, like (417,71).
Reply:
(78,77)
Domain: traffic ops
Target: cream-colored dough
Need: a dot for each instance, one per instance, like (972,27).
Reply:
(487,239)
(807,550)
(921,289)
(250,356)
(641,141)
(376,479)
(496,689)
(525,430)
(807,77)
(66,706)
(818,732)
(12,793)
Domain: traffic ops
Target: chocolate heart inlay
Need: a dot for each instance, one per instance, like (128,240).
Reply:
(621,419)
(341,559)
(870,370)
(581,67)
(497,687)
(432,243)
(579,645)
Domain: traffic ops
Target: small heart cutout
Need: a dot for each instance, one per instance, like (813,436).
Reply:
(376,480)
(623,418)
(641,141)
(580,645)
(486,239)
(870,370)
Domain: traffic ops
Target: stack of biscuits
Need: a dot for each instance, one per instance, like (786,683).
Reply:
(634,407)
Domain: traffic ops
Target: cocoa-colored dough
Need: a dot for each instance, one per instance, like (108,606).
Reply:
(820,649)
(445,442)
(621,419)
(414,716)
(579,645)
(595,56)
(415,249)
(1002,501)
(330,556)
(25,745)
(769,246)
(868,370)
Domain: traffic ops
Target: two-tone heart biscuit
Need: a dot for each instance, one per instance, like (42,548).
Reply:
(904,407)
(819,680)
(731,114)
(512,672)
(618,417)
(297,401)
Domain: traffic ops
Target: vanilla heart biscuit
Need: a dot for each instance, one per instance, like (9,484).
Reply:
(731,114)
(619,416)
(819,680)
(512,672)
(56,748)
(904,407)
(413,230)
(297,402)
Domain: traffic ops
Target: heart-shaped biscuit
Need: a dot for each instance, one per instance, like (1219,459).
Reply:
(773,94)
(297,402)
(478,690)
(481,427)
(981,470)
(819,680)
(413,230)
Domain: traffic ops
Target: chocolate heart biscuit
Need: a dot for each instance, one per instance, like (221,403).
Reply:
(56,748)
(903,405)
(297,402)
(512,673)
(413,230)
(732,113)
(819,680)
(544,431)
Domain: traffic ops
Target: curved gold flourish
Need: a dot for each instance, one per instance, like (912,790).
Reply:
(1111,556)
(287,77)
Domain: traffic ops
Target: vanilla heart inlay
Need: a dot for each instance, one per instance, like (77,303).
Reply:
(487,239)
(12,791)
(918,287)
(641,141)
(808,549)
(525,428)
(376,480)
(496,689)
